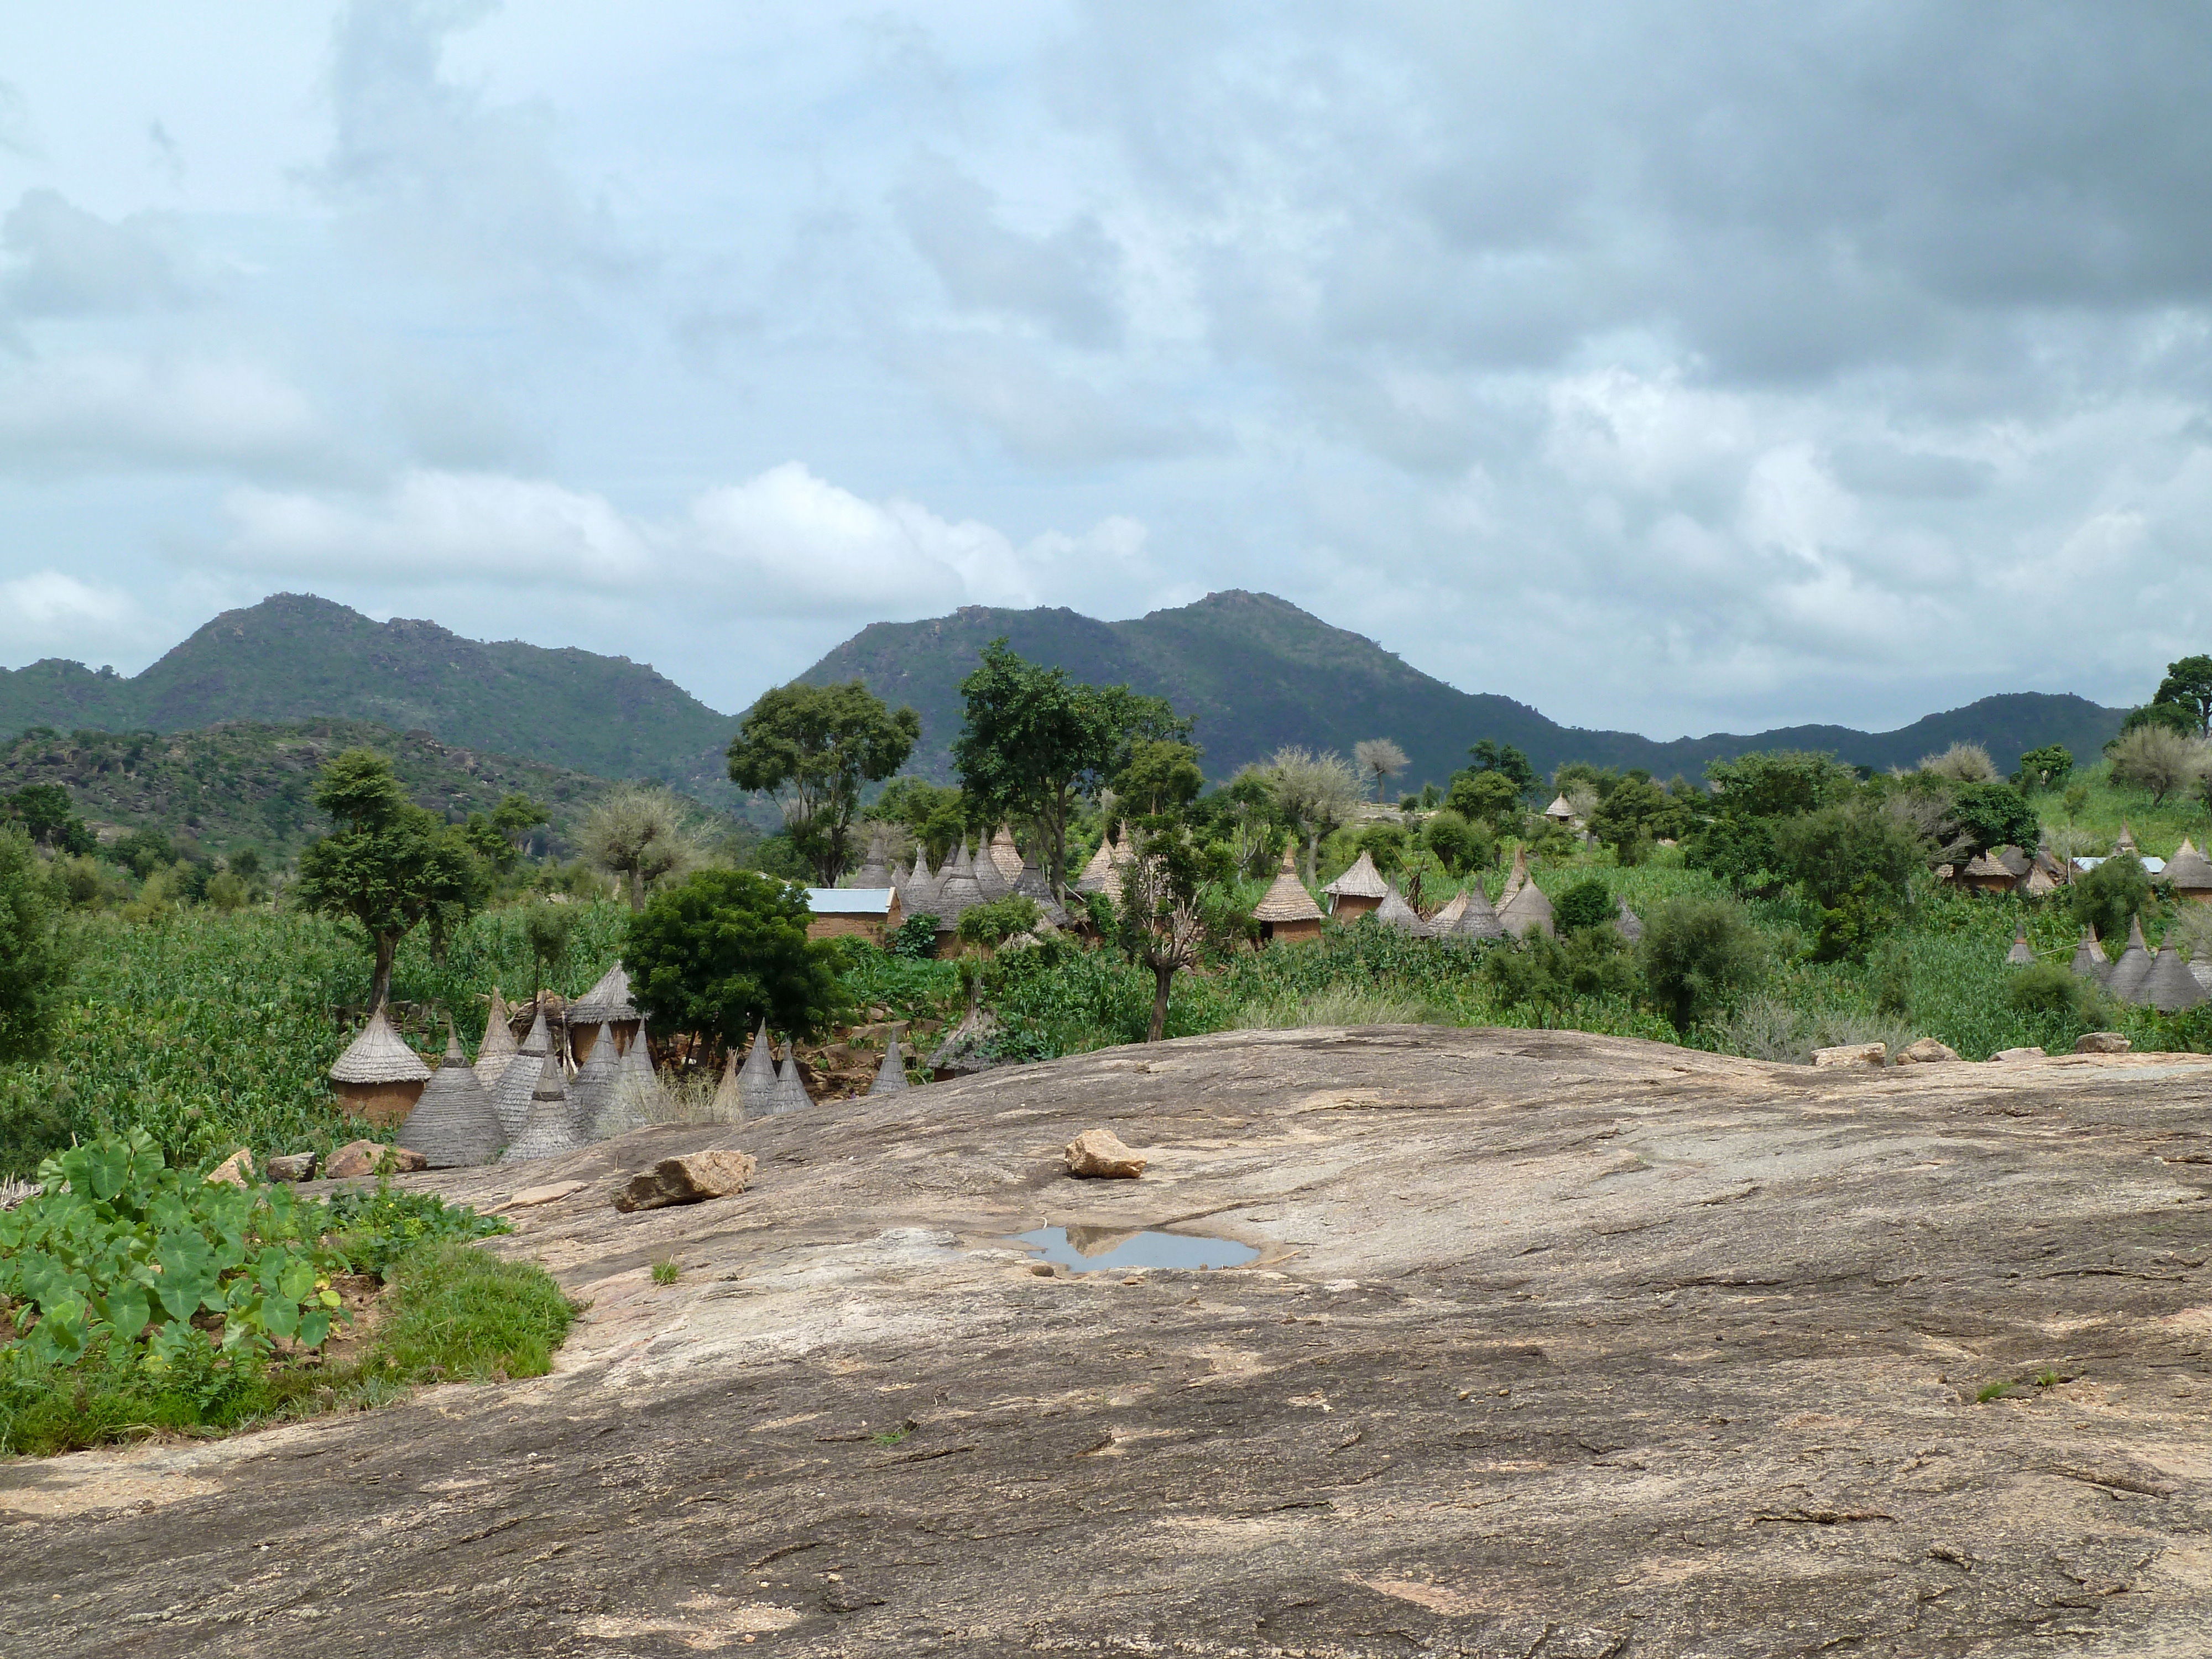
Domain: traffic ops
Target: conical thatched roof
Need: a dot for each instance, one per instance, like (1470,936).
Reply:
(2170,986)
(991,880)
(1030,884)
(756,1078)
(1125,849)
(2133,968)
(1395,912)
(957,892)
(551,1129)
(1560,811)
(2013,862)
(2188,869)
(1362,880)
(2040,883)
(592,1089)
(608,999)
(1515,878)
(1287,900)
(1476,919)
(498,1045)
(2089,962)
(1526,909)
(1630,925)
(2126,843)
(1448,914)
(511,1100)
(379,1054)
(1006,854)
(1983,864)
(453,1125)
(875,871)
(638,1085)
(1095,873)
(2021,952)
(791,1094)
(890,1076)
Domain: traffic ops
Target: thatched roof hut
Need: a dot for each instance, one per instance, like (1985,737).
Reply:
(2126,843)
(453,1125)
(1631,924)
(591,1091)
(875,870)
(1447,914)
(918,892)
(756,1078)
(606,1004)
(1286,911)
(1395,912)
(1358,890)
(1515,878)
(379,1077)
(1526,910)
(1030,883)
(511,1100)
(551,1128)
(1476,919)
(2189,873)
(1006,856)
(638,1085)
(2089,959)
(1560,811)
(791,1094)
(2021,952)
(728,1105)
(2133,968)
(498,1045)
(1985,873)
(1099,870)
(957,892)
(890,1076)
(2170,986)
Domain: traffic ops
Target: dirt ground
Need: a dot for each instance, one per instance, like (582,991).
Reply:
(1556,1345)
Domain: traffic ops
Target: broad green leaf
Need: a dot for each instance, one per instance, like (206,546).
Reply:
(107,1166)
(298,1279)
(127,1309)
(314,1326)
(280,1314)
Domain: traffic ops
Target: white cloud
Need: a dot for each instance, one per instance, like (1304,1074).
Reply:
(50,612)
(62,261)
(110,411)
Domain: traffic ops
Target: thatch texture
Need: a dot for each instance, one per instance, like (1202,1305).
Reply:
(1097,873)
(2089,962)
(498,1045)
(1527,909)
(2126,843)
(1515,878)
(2189,872)
(1560,811)
(791,1094)
(511,1100)
(2170,986)
(551,1128)
(1006,856)
(2133,968)
(1395,912)
(453,1125)
(379,1054)
(756,1077)
(958,892)
(638,1085)
(918,892)
(728,1105)
(890,1076)
(1448,914)
(1362,880)
(592,1089)
(1287,900)
(2021,952)
(1476,919)
(1030,883)
(608,999)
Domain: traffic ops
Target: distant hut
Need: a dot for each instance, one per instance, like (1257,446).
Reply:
(2040,883)
(2170,986)
(2126,843)
(791,1094)
(728,1105)
(591,1091)
(1099,872)
(1985,873)
(637,1087)
(875,870)
(918,892)
(870,913)
(1030,883)
(958,892)
(551,1128)
(2189,873)
(1448,914)
(2089,959)
(1006,856)
(2021,952)
(1560,811)
(1476,919)
(453,1125)
(379,1077)
(2133,968)
(890,1076)
(607,1004)
(1631,924)
(1395,912)
(1515,878)
(1527,909)
(1358,890)
(498,1045)
(991,880)
(756,1078)
(511,1100)
(1286,911)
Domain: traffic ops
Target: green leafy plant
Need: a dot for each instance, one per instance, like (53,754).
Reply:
(914,939)
(665,1271)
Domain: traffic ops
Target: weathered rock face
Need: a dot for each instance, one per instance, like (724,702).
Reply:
(1099,1154)
(365,1158)
(2018,1053)
(2101,1042)
(687,1180)
(292,1166)
(1927,1051)
(1556,1344)
(1850,1054)
(236,1170)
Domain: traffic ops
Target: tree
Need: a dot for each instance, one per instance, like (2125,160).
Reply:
(1459,845)
(1992,815)
(934,814)
(33,965)
(1586,904)
(1507,763)
(1379,757)
(1035,743)
(1962,763)
(547,929)
(1634,814)
(45,812)
(723,950)
(2045,768)
(995,923)
(640,836)
(499,836)
(1699,954)
(1160,777)
(2158,759)
(1169,914)
(820,744)
(2188,683)
(2177,717)
(2105,898)
(1487,797)
(1830,852)
(1313,794)
(1740,852)
(1385,844)
(1550,975)
(388,866)
(1779,783)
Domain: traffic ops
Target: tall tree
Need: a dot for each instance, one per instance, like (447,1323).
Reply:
(639,836)
(1315,792)
(1035,743)
(2189,683)
(388,865)
(1491,756)
(1379,758)
(720,952)
(817,745)
(1170,915)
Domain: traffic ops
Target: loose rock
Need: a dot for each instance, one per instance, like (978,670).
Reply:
(236,1170)
(1926,1052)
(2101,1042)
(688,1180)
(366,1157)
(532,1196)
(292,1166)
(2017,1054)
(1850,1054)
(1099,1152)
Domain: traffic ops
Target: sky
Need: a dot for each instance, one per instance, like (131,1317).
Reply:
(1671,368)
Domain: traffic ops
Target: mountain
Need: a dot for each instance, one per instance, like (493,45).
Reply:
(1257,673)
(295,657)
(247,784)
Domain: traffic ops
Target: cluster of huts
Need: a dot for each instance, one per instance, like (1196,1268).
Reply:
(876,898)
(585,1074)
(2153,979)
(1522,907)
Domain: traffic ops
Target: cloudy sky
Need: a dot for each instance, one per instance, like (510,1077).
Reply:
(1672,369)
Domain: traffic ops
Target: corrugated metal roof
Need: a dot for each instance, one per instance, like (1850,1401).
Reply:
(850,900)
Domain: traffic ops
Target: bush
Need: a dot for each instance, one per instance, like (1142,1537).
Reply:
(1994,814)
(725,949)
(914,939)
(1588,903)
(33,964)
(2044,768)
(1740,852)
(998,921)
(1386,844)
(1842,851)
(1550,975)
(1459,844)
(2045,988)
(2160,759)
(1962,763)
(1698,955)
(2105,898)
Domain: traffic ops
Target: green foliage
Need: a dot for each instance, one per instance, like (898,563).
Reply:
(2177,718)
(547,929)
(2044,768)
(1491,798)
(1457,843)
(722,951)
(1386,844)
(373,1228)
(1993,815)
(2047,987)
(666,1272)
(1854,849)
(1635,812)
(1740,854)
(936,815)
(821,743)
(2106,898)
(33,962)
(1858,919)
(142,852)
(1158,776)
(1779,783)
(914,939)
(999,921)
(49,818)
(1588,903)
(2188,683)
(1698,955)
(1509,762)
(460,1313)
(1551,975)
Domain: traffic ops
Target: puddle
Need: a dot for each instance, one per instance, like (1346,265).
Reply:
(1101,1249)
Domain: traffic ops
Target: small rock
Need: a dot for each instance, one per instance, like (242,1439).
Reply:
(2102,1042)
(292,1166)
(1100,1152)
(236,1170)
(1042,1269)
(1926,1052)
(366,1157)
(2017,1054)
(687,1180)
(532,1195)
(1850,1054)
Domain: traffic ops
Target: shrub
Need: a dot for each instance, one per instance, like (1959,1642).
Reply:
(1699,954)
(725,949)
(1588,903)
(999,921)
(2105,897)
(1549,975)
(1740,852)
(1841,851)
(33,964)
(915,939)
(1962,763)
(2045,988)
(2160,759)
(1386,844)
(2044,768)
(1993,815)
(1459,844)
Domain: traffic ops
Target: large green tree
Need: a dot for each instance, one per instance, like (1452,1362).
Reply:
(33,964)
(388,865)
(1778,783)
(2189,683)
(816,745)
(1035,743)
(724,949)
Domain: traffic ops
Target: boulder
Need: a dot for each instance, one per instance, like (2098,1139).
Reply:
(236,1170)
(2101,1042)
(2017,1054)
(292,1166)
(1850,1054)
(1099,1153)
(1926,1052)
(366,1157)
(690,1179)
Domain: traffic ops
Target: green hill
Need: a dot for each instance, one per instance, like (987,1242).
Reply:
(295,657)
(1257,673)
(247,784)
